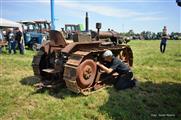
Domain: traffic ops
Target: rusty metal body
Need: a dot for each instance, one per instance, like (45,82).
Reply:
(74,63)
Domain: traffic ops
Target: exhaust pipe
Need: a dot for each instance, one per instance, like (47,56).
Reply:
(86,22)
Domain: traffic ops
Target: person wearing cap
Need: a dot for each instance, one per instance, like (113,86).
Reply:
(164,39)
(115,66)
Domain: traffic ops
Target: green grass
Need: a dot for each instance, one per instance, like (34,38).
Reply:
(159,92)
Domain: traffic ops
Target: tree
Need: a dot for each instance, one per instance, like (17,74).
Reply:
(154,36)
(159,35)
(175,35)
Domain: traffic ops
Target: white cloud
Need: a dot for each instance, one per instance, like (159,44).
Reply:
(149,18)
(102,10)
(109,11)
(104,1)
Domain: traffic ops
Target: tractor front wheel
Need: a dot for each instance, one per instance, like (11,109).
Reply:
(34,46)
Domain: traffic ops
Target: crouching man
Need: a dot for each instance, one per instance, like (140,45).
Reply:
(114,66)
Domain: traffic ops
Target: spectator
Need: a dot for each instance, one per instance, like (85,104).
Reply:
(18,38)
(11,42)
(1,41)
(164,39)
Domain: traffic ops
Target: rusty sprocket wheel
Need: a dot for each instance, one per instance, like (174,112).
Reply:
(86,73)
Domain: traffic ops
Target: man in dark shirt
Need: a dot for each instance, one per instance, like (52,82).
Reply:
(115,66)
(18,38)
(164,39)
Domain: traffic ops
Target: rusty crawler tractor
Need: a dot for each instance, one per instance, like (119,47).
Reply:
(74,63)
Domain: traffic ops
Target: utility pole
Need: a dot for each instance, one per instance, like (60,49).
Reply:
(52,15)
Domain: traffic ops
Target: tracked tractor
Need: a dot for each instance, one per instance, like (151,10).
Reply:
(74,63)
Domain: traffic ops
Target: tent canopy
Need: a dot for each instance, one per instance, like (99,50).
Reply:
(9,24)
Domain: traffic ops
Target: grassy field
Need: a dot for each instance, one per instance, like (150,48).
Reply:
(157,97)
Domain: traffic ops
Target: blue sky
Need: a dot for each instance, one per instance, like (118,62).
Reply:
(120,15)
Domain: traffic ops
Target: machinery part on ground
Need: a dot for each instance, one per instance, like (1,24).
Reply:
(75,63)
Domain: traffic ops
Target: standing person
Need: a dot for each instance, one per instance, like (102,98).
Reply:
(115,66)
(1,41)
(164,39)
(11,42)
(18,38)
(8,40)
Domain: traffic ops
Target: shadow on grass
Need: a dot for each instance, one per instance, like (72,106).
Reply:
(31,80)
(178,55)
(148,101)
(178,60)
(59,91)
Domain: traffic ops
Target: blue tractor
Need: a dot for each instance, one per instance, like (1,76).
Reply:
(35,32)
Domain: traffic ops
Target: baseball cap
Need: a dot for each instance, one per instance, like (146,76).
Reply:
(107,53)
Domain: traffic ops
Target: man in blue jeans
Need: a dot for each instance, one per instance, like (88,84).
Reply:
(18,38)
(114,65)
(11,42)
(163,42)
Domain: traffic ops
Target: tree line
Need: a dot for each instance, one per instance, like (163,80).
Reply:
(148,35)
